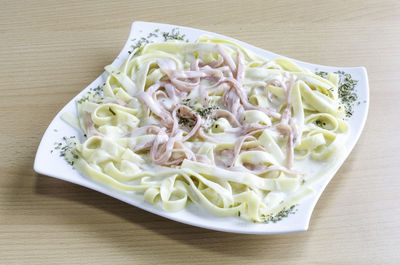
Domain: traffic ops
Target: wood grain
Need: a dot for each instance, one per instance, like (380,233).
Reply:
(50,50)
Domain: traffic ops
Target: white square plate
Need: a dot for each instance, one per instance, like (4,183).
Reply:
(52,164)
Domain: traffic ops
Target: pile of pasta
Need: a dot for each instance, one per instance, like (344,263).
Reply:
(210,123)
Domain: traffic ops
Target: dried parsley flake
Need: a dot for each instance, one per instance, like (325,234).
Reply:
(285,212)
(346,90)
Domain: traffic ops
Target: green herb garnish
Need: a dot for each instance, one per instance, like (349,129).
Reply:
(285,212)
(140,43)
(322,74)
(83,99)
(111,110)
(67,149)
(150,38)
(94,94)
(320,123)
(204,112)
(186,121)
(173,35)
(346,90)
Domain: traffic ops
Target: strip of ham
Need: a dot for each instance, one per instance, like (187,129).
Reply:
(238,147)
(221,113)
(287,125)
(227,58)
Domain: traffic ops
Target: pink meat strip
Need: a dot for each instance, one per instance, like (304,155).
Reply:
(149,100)
(287,125)
(168,66)
(243,98)
(272,82)
(221,113)
(227,58)
(202,134)
(238,147)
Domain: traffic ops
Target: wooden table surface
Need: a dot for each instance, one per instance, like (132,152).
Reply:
(50,50)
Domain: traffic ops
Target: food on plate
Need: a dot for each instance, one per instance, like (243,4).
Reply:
(210,123)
